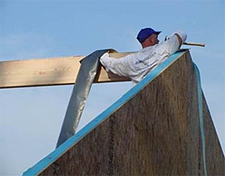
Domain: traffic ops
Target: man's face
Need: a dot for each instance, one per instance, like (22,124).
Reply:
(154,39)
(151,41)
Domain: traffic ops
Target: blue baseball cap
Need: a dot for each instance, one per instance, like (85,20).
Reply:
(145,33)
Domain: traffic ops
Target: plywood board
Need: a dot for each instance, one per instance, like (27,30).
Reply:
(152,130)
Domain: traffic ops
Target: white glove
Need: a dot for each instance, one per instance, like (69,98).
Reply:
(104,59)
(182,35)
(104,56)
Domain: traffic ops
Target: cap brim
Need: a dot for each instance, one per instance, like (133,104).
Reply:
(157,32)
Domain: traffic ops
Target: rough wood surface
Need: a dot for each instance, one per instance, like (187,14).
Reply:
(48,72)
(154,133)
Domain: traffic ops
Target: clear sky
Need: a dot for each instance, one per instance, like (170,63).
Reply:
(31,118)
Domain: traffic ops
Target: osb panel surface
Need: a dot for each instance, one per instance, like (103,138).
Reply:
(214,156)
(154,133)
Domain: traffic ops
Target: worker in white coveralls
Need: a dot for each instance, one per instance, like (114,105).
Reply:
(137,65)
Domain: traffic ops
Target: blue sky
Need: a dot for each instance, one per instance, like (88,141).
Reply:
(31,118)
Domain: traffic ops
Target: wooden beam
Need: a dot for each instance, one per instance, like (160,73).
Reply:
(48,72)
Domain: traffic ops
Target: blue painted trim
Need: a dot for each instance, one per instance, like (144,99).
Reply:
(44,163)
(200,112)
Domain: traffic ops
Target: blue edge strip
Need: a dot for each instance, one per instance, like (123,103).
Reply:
(44,163)
(200,113)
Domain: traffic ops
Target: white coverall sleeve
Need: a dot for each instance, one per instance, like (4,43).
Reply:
(120,66)
(171,45)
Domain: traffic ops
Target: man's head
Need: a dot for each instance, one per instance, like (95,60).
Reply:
(148,37)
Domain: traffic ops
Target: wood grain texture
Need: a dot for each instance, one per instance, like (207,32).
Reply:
(48,72)
(155,133)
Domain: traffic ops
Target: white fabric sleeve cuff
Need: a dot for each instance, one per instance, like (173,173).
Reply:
(105,60)
(182,35)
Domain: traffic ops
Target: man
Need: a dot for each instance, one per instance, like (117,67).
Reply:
(136,66)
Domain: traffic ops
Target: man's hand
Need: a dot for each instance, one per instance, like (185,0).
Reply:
(179,39)
(105,59)
(105,56)
(181,36)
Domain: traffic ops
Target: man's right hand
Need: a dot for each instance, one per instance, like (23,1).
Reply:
(105,56)
(181,36)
